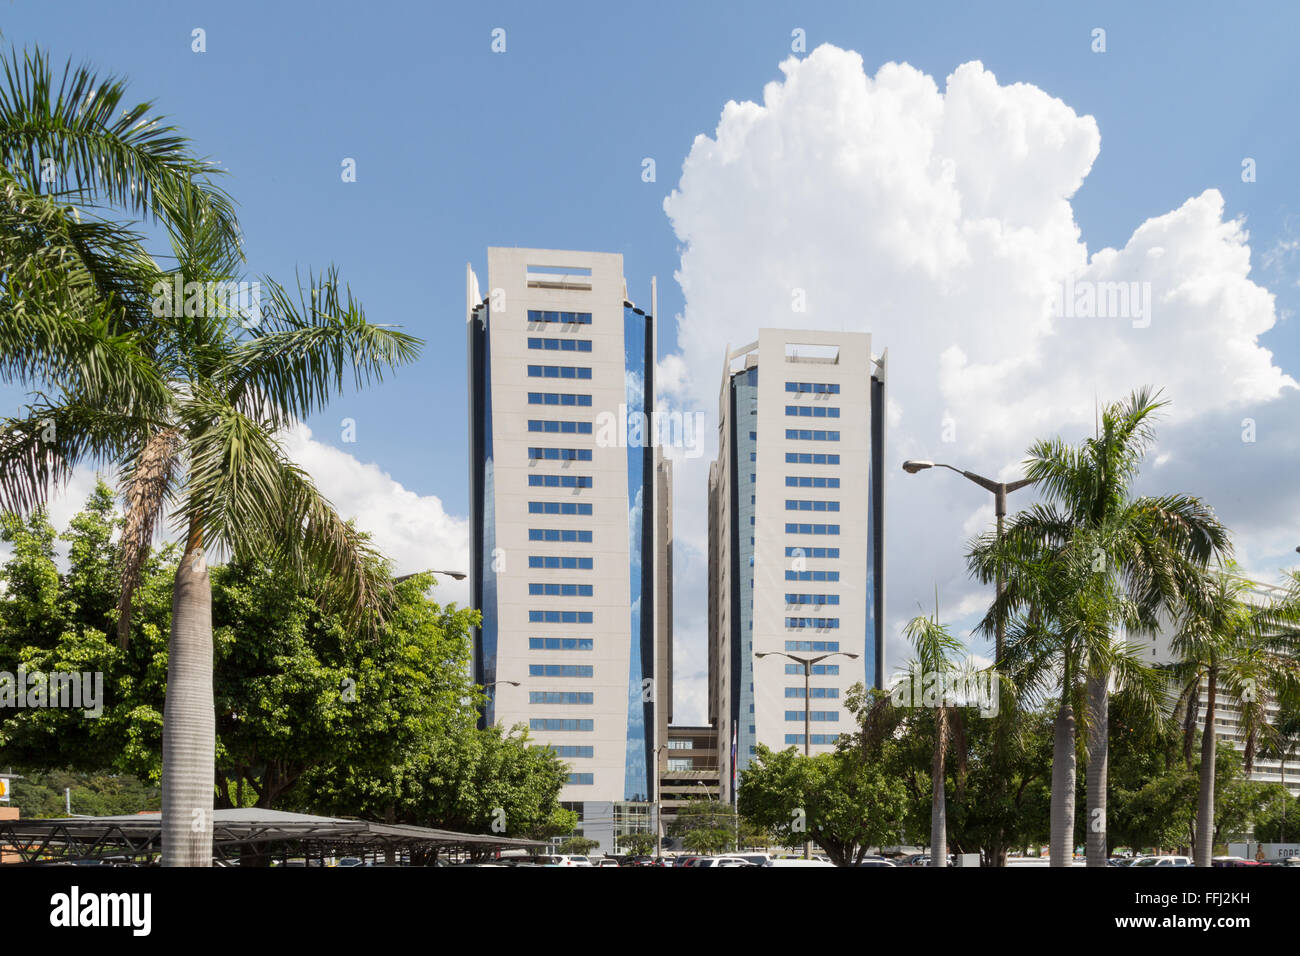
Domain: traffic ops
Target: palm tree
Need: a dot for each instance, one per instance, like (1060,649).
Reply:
(1100,560)
(187,400)
(1241,650)
(935,662)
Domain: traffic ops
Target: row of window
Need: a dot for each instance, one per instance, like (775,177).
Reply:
(812,575)
(827,716)
(561,644)
(559,398)
(561,590)
(558,371)
(559,670)
(559,697)
(581,779)
(805,481)
(560,562)
(819,670)
(818,622)
(804,504)
(559,481)
(560,345)
(553,427)
(816,388)
(569,751)
(793,528)
(563,318)
(812,692)
(812,411)
(561,723)
(559,454)
(818,599)
(809,458)
(812,646)
(560,617)
(793,552)
(559,534)
(559,507)
(797,739)
(808,434)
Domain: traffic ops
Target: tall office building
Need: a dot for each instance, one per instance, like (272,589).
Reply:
(796,540)
(569,518)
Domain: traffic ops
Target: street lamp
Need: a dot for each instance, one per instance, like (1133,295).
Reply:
(1000,491)
(458,575)
(807,663)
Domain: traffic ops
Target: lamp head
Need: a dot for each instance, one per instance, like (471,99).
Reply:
(913,465)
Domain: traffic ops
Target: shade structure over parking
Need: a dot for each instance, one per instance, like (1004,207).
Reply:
(244,831)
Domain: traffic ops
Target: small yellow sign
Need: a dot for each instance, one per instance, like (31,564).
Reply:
(4,789)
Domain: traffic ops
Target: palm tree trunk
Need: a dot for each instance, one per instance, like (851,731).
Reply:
(938,806)
(1098,766)
(189,717)
(1209,750)
(1063,778)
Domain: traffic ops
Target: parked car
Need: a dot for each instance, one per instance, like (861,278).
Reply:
(875,861)
(758,859)
(796,862)
(685,861)
(1163,861)
(606,861)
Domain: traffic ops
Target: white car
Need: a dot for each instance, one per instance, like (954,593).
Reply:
(797,862)
(722,861)
(563,859)
(1163,861)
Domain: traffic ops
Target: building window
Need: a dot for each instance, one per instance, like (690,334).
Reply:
(559,508)
(560,562)
(559,670)
(807,458)
(561,318)
(559,345)
(823,716)
(560,723)
(819,670)
(581,779)
(812,575)
(570,751)
(558,371)
(808,434)
(550,427)
(793,552)
(559,398)
(560,617)
(809,481)
(559,697)
(817,739)
(812,645)
(560,644)
(560,590)
(813,692)
(812,411)
(681,745)
(812,528)
(559,481)
(815,388)
(559,534)
(817,600)
(822,623)
(805,504)
(559,454)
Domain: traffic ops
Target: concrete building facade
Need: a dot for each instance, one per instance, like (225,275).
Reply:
(796,541)
(569,521)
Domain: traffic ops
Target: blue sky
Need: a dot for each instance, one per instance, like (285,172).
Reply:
(459,148)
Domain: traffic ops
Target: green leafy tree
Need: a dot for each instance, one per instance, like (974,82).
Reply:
(186,394)
(637,844)
(578,846)
(843,803)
